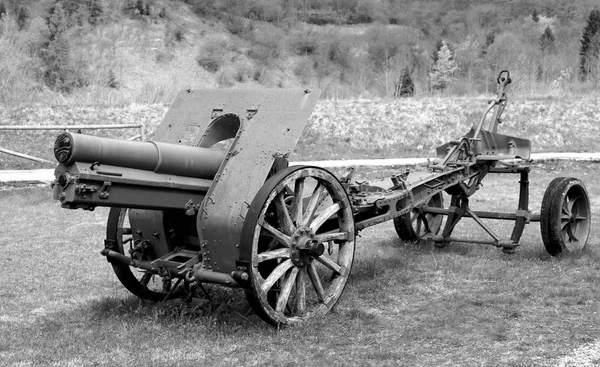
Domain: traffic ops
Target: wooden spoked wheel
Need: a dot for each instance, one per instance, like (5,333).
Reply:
(298,238)
(143,284)
(419,224)
(565,217)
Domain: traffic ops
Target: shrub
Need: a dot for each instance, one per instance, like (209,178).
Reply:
(268,43)
(163,13)
(265,10)
(201,8)
(164,56)
(244,71)
(304,41)
(213,53)
(173,34)
(112,80)
(303,70)
(336,50)
(238,26)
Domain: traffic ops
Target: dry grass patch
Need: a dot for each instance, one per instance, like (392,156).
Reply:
(341,129)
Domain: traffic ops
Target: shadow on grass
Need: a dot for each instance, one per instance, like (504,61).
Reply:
(525,250)
(227,313)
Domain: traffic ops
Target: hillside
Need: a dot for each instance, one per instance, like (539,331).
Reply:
(110,51)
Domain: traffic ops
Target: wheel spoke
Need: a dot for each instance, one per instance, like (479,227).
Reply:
(413,217)
(281,253)
(316,282)
(571,234)
(286,289)
(145,279)
(566,210)
(301,292)
(330,264)
(427,218)
(419,222)
(297,208)
(313,204)
(326,214)
(340,236)
(571,202)
(277,273)
(284,215)
(280,237)
(576,209)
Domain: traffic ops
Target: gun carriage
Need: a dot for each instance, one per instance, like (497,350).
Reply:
(184,213)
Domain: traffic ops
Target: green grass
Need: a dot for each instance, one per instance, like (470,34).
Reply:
(405,303)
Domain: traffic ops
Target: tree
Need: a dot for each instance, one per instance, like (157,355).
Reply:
(390,50)
(59,72)
(535,16)
(2,10)
(139,6)
(438,47)
(405,86)
(22,17)
(468,58)
(548,48)
(443,71)
(129,7)
(547,41)
(367,11)
(589,53)
(95,10)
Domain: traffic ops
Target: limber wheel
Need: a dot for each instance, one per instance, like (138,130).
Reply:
(565,216)
(418,225)
(298,238)
(139,282)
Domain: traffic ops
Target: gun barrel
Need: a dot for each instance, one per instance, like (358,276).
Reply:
(159,157)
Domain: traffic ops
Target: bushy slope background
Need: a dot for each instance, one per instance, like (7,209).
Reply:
(113,51)
(109,61)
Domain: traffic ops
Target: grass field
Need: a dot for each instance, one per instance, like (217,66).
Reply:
(405,304)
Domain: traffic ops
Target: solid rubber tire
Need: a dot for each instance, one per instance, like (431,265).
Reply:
(551,211)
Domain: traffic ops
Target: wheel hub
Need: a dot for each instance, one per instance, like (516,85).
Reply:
(305,246)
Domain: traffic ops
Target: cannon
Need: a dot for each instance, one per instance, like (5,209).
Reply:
(214,200)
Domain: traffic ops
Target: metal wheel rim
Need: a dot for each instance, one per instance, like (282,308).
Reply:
(138,282)
(426,223)
(575,219)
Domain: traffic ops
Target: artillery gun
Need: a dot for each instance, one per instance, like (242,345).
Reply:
(184,212)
